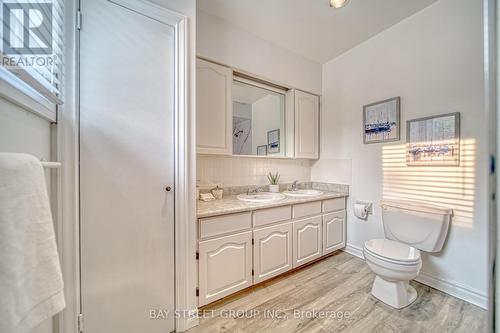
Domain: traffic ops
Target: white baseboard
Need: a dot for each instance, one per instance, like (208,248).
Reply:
(354,250)
(457,290)
(185,323)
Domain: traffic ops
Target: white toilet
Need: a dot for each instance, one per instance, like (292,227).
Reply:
(409,227)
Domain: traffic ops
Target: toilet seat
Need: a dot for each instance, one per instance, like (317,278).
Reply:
(393,252)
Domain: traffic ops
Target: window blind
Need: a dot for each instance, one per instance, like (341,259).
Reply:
(33,44)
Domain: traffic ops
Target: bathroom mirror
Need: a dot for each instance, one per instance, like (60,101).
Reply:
(258,119)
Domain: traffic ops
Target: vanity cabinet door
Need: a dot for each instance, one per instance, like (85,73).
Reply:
(213,108)
(225,266)
(306,240)
(272,251)
(306,125)
(333,231)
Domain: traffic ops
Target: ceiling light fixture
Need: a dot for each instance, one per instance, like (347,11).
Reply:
(338,3)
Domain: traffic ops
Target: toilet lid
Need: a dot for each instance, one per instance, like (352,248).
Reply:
(393,250)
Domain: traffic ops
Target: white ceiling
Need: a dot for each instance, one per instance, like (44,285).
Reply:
(248,94)
(310,27)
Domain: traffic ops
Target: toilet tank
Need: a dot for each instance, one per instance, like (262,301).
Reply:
(421,225)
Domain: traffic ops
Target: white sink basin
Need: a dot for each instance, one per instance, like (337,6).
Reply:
(303,193)
(261,197)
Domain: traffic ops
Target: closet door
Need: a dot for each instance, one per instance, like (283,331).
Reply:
(306,125)
(214,122)
(127,160)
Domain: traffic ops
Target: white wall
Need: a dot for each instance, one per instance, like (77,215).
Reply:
(264,121)
(240,171)
(219,41)
(23,132)
(434,61)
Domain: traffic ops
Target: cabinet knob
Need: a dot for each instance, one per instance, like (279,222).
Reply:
(168,188)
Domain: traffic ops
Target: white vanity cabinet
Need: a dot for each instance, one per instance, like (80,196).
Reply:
(240,249)
(306,125)
(214,124)
(272,251)
(225,266)
(307,240)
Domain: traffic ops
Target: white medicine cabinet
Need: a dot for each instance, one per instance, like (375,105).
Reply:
(239,115)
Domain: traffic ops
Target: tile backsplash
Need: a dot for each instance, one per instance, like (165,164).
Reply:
(229,171)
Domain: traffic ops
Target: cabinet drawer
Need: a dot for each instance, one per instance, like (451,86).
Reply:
(271,215)
(332,205)
(219,225)
(306,209)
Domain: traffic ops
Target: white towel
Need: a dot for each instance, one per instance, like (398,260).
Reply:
(31,284)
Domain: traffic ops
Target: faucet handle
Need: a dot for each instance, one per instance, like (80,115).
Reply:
(253,190)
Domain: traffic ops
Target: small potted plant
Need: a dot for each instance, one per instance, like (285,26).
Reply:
(274,179)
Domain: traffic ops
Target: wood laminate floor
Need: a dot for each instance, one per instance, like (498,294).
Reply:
(333,295)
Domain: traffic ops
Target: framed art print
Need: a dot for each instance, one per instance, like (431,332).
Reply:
(262,150)
(273,141)
(433,140)
(381,121)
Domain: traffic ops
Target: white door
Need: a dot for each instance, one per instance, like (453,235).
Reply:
(306,125)
(272,251)
(306,240)
(214,119)
(225,266)
(127,161)
(333,231)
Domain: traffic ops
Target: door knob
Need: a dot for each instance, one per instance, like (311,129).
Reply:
(168,188)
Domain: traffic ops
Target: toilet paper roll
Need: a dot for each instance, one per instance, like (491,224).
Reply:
(360,211)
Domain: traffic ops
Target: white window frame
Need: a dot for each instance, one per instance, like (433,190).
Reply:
(21,86)
(17,91)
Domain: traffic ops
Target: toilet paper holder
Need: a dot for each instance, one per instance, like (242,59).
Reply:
(368,205)
(362,209)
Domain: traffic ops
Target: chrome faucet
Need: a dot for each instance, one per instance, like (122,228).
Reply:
(254,190)
(293,187)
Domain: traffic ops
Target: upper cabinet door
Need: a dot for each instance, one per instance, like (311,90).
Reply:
(306,125)
(213,108)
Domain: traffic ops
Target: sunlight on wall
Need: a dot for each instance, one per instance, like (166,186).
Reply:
(450,186)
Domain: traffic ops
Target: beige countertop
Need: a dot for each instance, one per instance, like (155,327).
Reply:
(231,204)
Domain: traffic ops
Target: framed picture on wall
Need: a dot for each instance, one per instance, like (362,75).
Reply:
(262,150)
(381,121)
(273,141)
(433,140)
